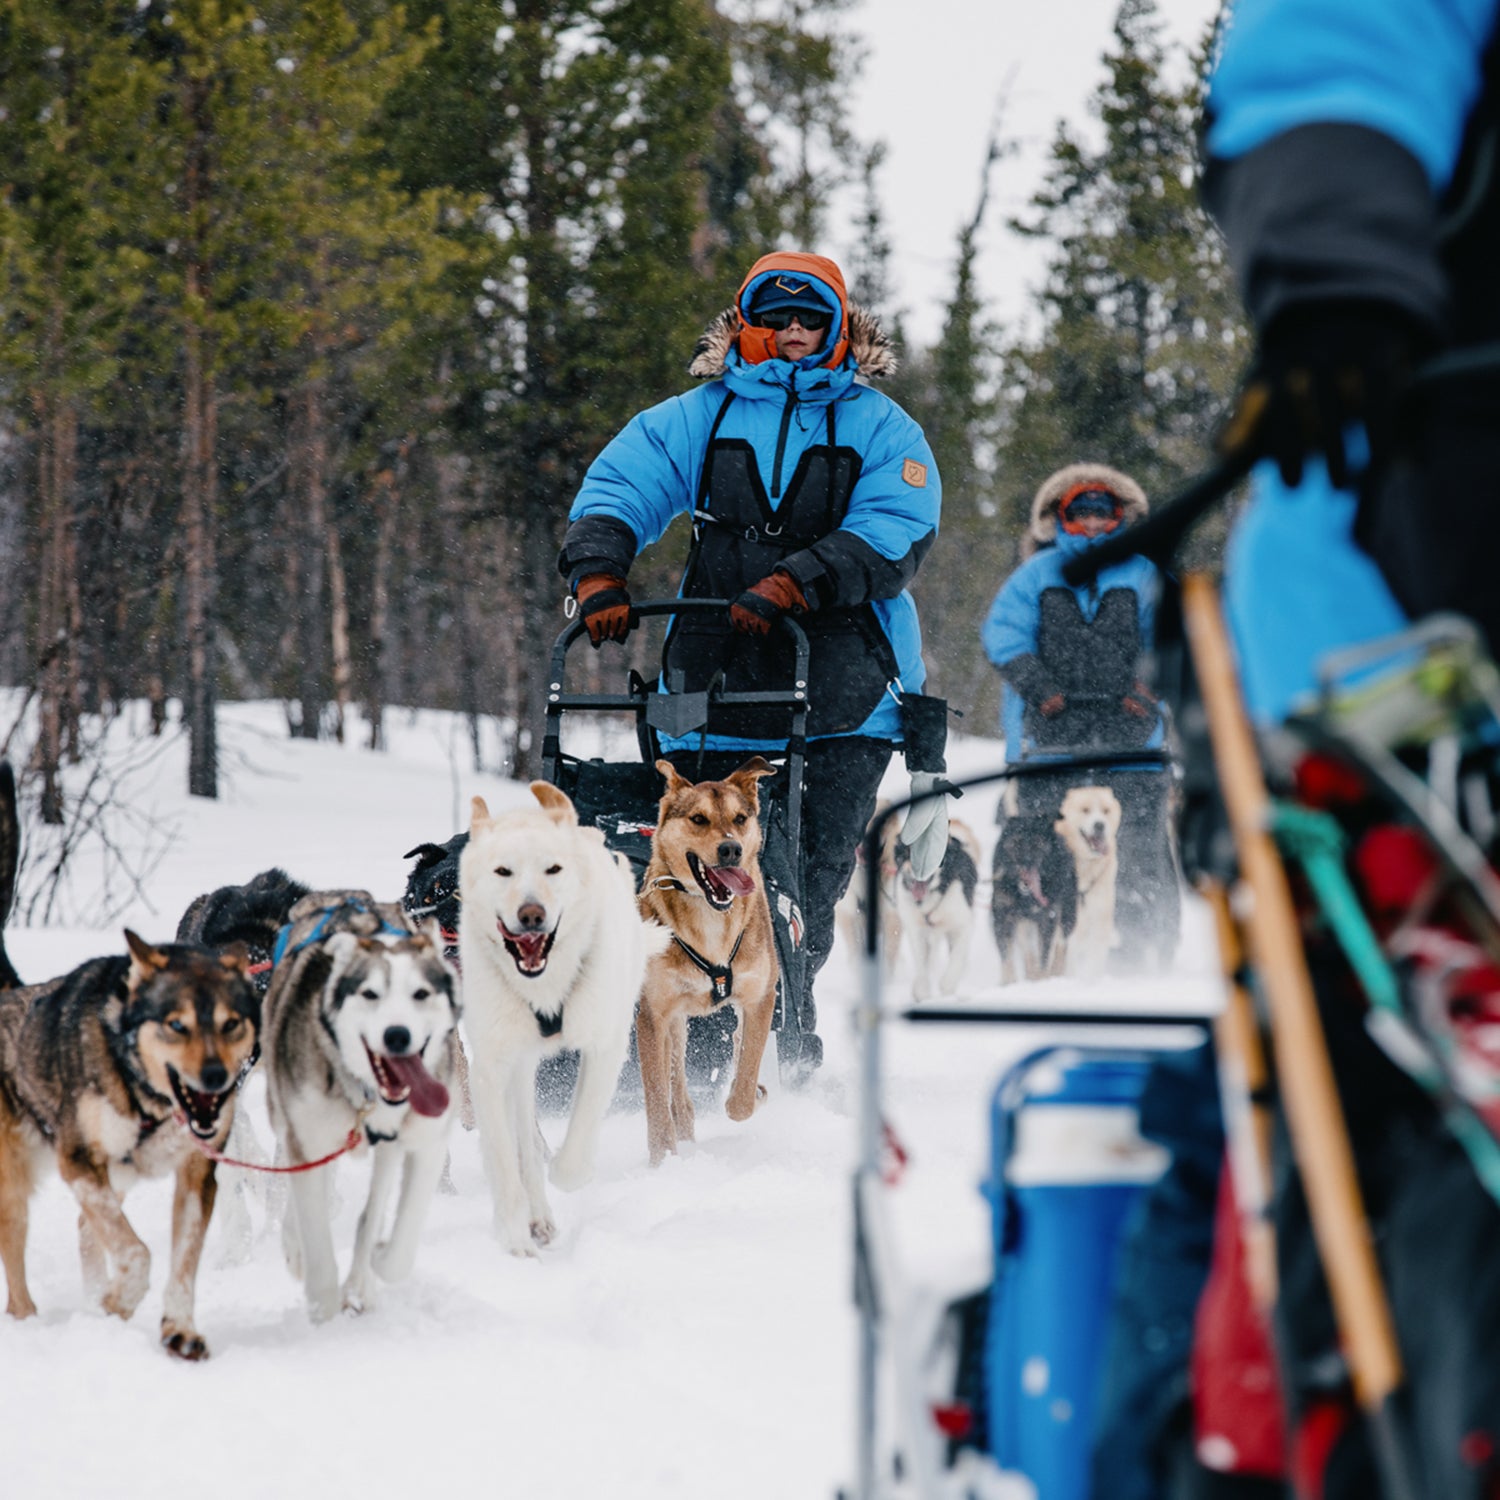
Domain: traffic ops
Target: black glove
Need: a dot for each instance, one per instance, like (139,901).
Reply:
(1319,368)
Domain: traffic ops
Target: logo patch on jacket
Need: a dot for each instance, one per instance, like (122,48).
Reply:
(914,474)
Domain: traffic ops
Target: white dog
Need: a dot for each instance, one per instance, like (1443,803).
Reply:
(360,1043)
(937,915)
(1089,822)
(849,913)
(553,953)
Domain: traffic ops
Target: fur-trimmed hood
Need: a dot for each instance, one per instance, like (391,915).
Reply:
(1042,530)
(869,345)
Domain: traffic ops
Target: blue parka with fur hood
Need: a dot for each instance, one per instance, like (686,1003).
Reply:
(798,467)
(1082,641)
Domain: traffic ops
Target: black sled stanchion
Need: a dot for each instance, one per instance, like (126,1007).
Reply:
(875,1274)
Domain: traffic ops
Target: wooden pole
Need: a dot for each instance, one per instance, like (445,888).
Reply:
(1309,1096)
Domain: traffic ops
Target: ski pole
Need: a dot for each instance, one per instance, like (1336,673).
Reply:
(1309,1095)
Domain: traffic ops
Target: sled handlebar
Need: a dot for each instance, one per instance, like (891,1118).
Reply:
(649,608)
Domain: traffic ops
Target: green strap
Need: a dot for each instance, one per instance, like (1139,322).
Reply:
(1317,843)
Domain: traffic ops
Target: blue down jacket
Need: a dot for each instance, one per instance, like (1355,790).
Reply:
(1049,636)
(792,465)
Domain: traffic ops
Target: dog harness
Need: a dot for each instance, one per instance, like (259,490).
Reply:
(549,1026)
(284,936)
(721,975)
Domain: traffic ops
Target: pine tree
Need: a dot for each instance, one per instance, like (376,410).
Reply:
(952,389)
(798,64)
(1142,338)
(586,132)
(69,283)
(361,266)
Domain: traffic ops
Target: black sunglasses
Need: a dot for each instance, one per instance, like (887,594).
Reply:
(812,319)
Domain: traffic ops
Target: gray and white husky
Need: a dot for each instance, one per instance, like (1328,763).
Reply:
(360,1040)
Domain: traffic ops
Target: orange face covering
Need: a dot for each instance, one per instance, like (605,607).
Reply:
(1094,501)
(757,344)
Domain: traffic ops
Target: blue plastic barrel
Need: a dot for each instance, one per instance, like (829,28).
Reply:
(1067,1166)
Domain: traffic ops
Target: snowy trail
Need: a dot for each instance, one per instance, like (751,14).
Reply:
(691,1332)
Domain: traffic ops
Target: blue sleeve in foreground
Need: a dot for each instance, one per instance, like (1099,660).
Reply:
(1410,69)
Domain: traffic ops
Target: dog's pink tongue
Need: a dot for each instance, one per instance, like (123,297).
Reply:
(429,1096)
(738,880)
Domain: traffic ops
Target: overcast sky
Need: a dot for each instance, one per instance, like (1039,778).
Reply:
(932,78)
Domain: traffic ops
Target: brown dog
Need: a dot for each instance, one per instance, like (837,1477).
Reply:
(704,885)
(124,1068)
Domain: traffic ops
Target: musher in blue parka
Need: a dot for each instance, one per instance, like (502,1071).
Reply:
(813,495)
(1071,660)
(1352,164)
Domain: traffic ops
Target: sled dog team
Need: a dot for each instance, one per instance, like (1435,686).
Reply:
(130,1066)
(1052,899)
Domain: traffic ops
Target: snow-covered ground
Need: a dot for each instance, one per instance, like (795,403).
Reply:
(691,1332)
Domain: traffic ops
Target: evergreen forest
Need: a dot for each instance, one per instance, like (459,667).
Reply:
(313,315)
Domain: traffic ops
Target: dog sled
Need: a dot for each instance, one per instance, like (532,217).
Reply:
(1147,785)
(951,1404)
(620,797)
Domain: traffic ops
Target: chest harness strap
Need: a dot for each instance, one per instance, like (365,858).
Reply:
(721,975)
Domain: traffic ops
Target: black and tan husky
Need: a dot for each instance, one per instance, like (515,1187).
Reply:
(126,1067)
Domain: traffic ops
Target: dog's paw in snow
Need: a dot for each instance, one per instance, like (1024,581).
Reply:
(324,1302)
(358,1296)
(524,1238)
(570,1171)
(394,1265)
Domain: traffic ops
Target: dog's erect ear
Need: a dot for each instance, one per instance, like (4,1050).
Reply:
(479,812)
(554,803)
(676,781)
(428,855)
(236,956)
(144,959)
(747,776)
